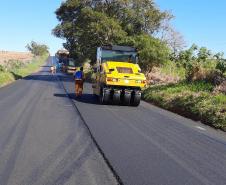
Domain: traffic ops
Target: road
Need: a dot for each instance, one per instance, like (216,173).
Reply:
(43,140)
(149,146)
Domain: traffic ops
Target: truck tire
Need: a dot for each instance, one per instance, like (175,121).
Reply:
(135,100)
(104,96)
(117,97)
(126,98)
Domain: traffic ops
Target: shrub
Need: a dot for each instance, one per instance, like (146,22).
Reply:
(2,68)
(15,64)
(221,65)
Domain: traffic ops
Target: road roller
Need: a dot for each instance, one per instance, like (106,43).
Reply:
(118,77)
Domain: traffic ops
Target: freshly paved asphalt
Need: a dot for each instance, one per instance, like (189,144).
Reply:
(146,145)
(43,140)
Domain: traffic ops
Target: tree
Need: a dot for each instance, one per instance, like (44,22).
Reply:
(188,58)
(174,40)
(152,52)
(203,54)
(86,24)
(37,49)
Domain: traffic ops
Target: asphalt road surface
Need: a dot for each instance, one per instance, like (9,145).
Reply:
(149,146)
(43,140)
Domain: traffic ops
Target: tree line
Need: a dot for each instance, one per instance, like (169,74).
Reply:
(88,24)
(37,49)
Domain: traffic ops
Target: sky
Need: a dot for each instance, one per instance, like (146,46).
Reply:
(25,20)
(200,21)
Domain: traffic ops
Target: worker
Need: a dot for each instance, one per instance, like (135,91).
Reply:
(52,69)
(55,68)
(79,79)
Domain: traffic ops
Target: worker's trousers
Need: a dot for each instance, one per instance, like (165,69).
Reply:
(78,87)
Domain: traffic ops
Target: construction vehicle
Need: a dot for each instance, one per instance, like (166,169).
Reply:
(62,56)
(118,77)
(69,66)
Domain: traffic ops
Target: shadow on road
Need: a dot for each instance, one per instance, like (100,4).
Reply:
(85,98)
(66,78)
(45,71)
(46,66)
(48,78)
(16,76)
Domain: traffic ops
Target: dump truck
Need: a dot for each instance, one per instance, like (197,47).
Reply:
(62,56)
(69,66)
(118,77)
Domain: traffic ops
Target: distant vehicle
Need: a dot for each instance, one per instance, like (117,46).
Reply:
(69,66)
(118,76)
(62,56)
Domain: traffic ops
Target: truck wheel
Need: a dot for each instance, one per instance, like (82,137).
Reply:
(135,100)
(117,97)
(127,98)
(104,96)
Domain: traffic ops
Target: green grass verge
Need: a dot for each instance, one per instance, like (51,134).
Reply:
(194,100)
(16,73)
(6,77)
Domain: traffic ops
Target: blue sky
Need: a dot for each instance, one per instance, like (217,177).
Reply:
(26,20)
(200,21)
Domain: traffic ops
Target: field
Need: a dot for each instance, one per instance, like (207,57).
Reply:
(16,65)
(6,56)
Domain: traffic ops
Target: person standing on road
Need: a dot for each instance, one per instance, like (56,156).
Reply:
(52,69)
(79,79)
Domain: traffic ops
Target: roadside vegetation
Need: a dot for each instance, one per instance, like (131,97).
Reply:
(188,81)
(195,100)
(199,89)
(12,70)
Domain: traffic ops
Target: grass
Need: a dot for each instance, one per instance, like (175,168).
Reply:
(172,69)
(195,100)
(6,77)
(19,71)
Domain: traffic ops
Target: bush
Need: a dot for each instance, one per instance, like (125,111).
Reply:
(221,66)
(15,64)
(2,68)
(194,100)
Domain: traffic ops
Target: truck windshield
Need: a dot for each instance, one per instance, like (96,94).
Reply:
(118,56)
(71,63)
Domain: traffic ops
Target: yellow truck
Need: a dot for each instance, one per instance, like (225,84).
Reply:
(118,78)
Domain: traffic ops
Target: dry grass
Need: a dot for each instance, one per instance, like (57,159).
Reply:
(15,56)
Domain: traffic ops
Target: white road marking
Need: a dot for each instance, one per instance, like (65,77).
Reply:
(67,105)
(200,128)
